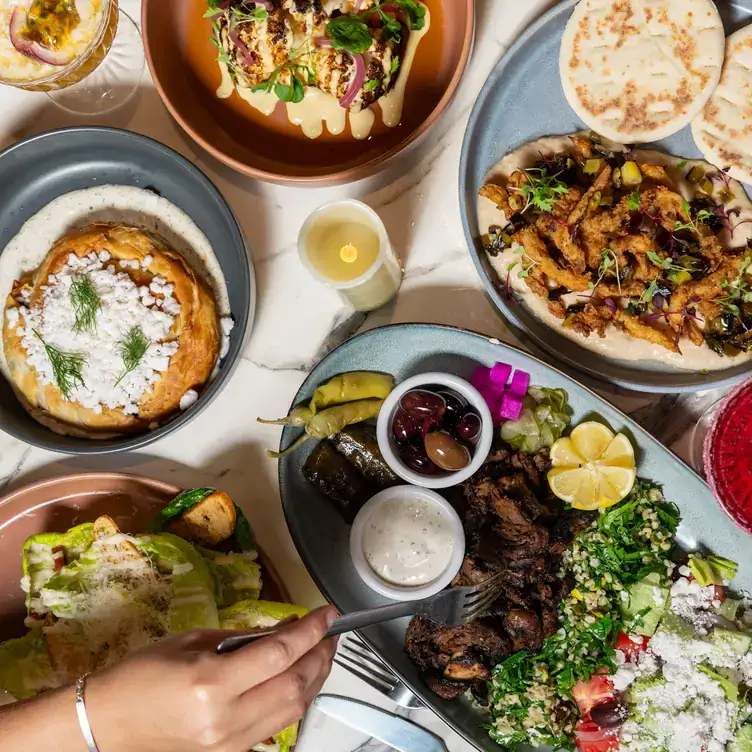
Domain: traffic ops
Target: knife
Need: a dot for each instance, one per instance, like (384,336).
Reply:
(397,732)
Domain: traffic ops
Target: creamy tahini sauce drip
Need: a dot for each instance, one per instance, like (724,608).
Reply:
(616,344)
(319,109)
(109,203)
(408,542)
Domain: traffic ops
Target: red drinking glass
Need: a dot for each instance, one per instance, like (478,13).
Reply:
(728,456)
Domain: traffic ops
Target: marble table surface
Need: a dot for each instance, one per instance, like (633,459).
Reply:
(297,321)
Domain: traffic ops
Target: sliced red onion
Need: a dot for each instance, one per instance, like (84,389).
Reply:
(323,42)
(31,49)
(225,4)
(518,387)
(357,82)
(248,57)
(610,303)
(358,3)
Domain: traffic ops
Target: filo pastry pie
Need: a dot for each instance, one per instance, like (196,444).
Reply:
(110,333)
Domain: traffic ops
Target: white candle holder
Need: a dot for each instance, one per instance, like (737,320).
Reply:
(380,282)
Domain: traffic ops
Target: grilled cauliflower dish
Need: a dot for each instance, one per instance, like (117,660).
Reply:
(351,51)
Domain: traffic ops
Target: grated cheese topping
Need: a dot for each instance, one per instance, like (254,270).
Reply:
(123,306)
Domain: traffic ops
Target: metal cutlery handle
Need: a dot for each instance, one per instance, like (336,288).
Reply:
(342,624)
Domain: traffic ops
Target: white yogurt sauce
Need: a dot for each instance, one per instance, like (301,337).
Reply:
(110,203)
(616,344)
(408,542)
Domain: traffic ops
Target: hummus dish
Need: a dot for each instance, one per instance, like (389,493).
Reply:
(637,255)
(113,330)
(325,59)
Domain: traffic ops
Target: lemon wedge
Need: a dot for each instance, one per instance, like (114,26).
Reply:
(592,468)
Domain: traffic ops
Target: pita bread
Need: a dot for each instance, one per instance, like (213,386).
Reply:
(723,130)
(641,70)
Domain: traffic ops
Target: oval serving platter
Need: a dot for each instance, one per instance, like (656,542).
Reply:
(37,170)
(524,81)
(322,537)
(56,504)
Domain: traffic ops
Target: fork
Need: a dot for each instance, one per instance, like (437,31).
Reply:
(360,661)
(454,607)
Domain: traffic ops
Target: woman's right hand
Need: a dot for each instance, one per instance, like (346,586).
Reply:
(180,696)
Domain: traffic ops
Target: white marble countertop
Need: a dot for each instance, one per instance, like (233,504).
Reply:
(297,321)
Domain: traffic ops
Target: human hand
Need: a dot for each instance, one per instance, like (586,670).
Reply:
(180,696)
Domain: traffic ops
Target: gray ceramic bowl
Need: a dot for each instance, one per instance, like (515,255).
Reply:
(522,101)
(36,171)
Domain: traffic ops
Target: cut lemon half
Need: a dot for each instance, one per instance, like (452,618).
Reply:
(592,468)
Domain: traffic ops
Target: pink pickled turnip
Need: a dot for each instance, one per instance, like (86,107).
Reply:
(519,385)
(481,378)
(510,408)
(500,374)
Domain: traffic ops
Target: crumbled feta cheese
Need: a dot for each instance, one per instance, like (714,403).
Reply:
(11,316)
(691,601)
(121,309)
(188,399)
(146,263)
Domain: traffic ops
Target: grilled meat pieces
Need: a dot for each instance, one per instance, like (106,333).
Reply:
(515,530)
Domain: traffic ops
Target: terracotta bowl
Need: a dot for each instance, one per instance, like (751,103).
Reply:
(182,61)
(54,505)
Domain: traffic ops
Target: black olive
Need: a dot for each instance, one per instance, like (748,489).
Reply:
(609,715)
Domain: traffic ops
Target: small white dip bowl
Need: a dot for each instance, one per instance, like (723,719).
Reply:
(389,447)
(402,592)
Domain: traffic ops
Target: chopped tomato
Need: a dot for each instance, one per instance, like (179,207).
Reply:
(719,593)
(633,646)
(592,738)
(58,558)
(598,690)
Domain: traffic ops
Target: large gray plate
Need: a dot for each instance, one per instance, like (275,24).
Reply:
(36,171)
(409,349)
(521,101)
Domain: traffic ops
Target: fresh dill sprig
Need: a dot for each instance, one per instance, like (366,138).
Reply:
(67,367)
(132,350)
(85,301)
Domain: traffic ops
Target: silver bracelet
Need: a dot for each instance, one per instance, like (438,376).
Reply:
(83,719)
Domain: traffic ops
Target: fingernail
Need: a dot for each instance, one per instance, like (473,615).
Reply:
(331,615)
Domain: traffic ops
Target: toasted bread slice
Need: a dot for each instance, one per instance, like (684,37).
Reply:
(122,550)
(207,523)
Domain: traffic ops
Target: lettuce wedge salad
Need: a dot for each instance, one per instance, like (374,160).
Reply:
(95,593)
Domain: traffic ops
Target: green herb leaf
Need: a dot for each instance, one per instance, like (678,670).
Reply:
(633,200)
(67,367)
(371,85)
(350,33)
(415,12)
(682,164)
(395,64)
(85,302)
(542,191)
(132,350)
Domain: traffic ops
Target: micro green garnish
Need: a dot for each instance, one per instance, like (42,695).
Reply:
(665,263)
(541,192)
(132,350)
(737,291)
(682,164)
(527,265)
(351,33)
(395,64)
(293,92)
(633,200)
(391,29)
(702,216)
(67,367)
(239,14)
(86,303)
(609,265)
(650,293)
(371,85)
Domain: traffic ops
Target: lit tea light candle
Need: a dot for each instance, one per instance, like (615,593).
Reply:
(345,246)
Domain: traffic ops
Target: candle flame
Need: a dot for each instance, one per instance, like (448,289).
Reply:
(349,253)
